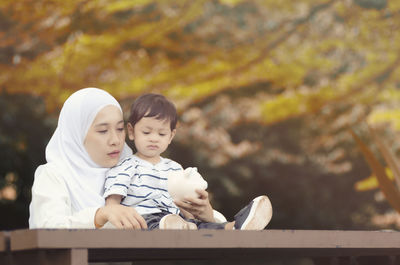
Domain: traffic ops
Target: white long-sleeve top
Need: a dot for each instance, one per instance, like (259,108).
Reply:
(51,204)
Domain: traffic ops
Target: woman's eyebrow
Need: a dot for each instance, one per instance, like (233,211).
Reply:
(101,124)
(106,123)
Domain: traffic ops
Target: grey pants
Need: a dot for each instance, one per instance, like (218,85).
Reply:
(153,221)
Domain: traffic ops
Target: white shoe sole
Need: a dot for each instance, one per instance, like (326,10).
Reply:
(260,214)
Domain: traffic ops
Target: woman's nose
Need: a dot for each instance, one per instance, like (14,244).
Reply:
(115,138)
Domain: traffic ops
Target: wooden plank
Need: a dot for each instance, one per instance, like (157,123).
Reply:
(213,242)
(49,257)
(3,238)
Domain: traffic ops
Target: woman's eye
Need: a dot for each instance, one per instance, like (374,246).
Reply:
(102,131)
(120,129)
(146,132)
(162,134)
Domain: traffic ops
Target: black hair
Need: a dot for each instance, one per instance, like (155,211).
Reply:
(153,105)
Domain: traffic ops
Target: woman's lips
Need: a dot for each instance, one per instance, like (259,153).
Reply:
(114,154)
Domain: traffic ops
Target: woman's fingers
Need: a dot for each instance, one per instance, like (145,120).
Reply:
(116,222)
(123,217)
(134,220)
(193,207)
(183,204)
(140,222)
(202,193)
(200,207)
(195,202)
(186,214)
(127,222)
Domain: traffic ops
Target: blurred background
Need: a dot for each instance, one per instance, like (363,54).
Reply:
(267,92)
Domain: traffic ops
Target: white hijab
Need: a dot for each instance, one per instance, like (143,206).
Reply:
(65,150)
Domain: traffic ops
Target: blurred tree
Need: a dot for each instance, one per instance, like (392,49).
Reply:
(24,133)
(266,89)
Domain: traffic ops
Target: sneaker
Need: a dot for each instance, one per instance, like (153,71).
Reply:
(175,222)
(254,216)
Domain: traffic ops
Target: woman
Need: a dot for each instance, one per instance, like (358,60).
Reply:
(67,190)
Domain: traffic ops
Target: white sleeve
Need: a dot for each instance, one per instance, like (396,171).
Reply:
(51,204)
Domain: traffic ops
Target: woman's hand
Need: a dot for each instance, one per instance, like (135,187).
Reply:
(122,217)
(199,208)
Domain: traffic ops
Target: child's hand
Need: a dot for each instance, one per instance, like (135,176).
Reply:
(122,217)
(200,207)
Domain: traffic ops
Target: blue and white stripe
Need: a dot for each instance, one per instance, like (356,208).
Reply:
(143,185)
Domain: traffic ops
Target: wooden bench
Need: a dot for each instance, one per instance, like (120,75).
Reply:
(76,247)
(4,246)
(3,239)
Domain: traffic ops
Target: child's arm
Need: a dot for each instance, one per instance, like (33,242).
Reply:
(115,189)
(114,199)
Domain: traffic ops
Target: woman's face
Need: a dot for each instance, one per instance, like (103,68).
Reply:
(106,137)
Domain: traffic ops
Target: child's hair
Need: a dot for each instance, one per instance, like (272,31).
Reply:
(153,105)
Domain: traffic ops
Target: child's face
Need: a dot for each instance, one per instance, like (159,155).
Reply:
(152,137)
(106,137)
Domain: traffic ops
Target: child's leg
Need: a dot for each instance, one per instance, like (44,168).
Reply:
(254,216)
(176,222)
(153,220)
(206,225)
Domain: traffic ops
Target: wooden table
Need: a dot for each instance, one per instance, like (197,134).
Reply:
(4,246)
(3,238)
(80,246)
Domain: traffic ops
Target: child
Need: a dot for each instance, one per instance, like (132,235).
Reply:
(140,181)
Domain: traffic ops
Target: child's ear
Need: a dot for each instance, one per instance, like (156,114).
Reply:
(131,135)
(172,135)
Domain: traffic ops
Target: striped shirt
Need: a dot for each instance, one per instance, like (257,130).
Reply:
(142,185)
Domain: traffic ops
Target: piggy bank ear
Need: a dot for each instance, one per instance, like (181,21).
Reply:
(189,172)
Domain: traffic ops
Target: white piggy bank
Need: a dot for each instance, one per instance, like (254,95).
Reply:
(183,183)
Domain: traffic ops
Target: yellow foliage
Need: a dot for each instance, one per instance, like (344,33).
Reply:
(293,104)
(190,49)
(385,116)
(390,190)
(371,182)
(281,74)
(390,94)
(198,90)
(120,5)
(394,6)
(282,106)
(230,2)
